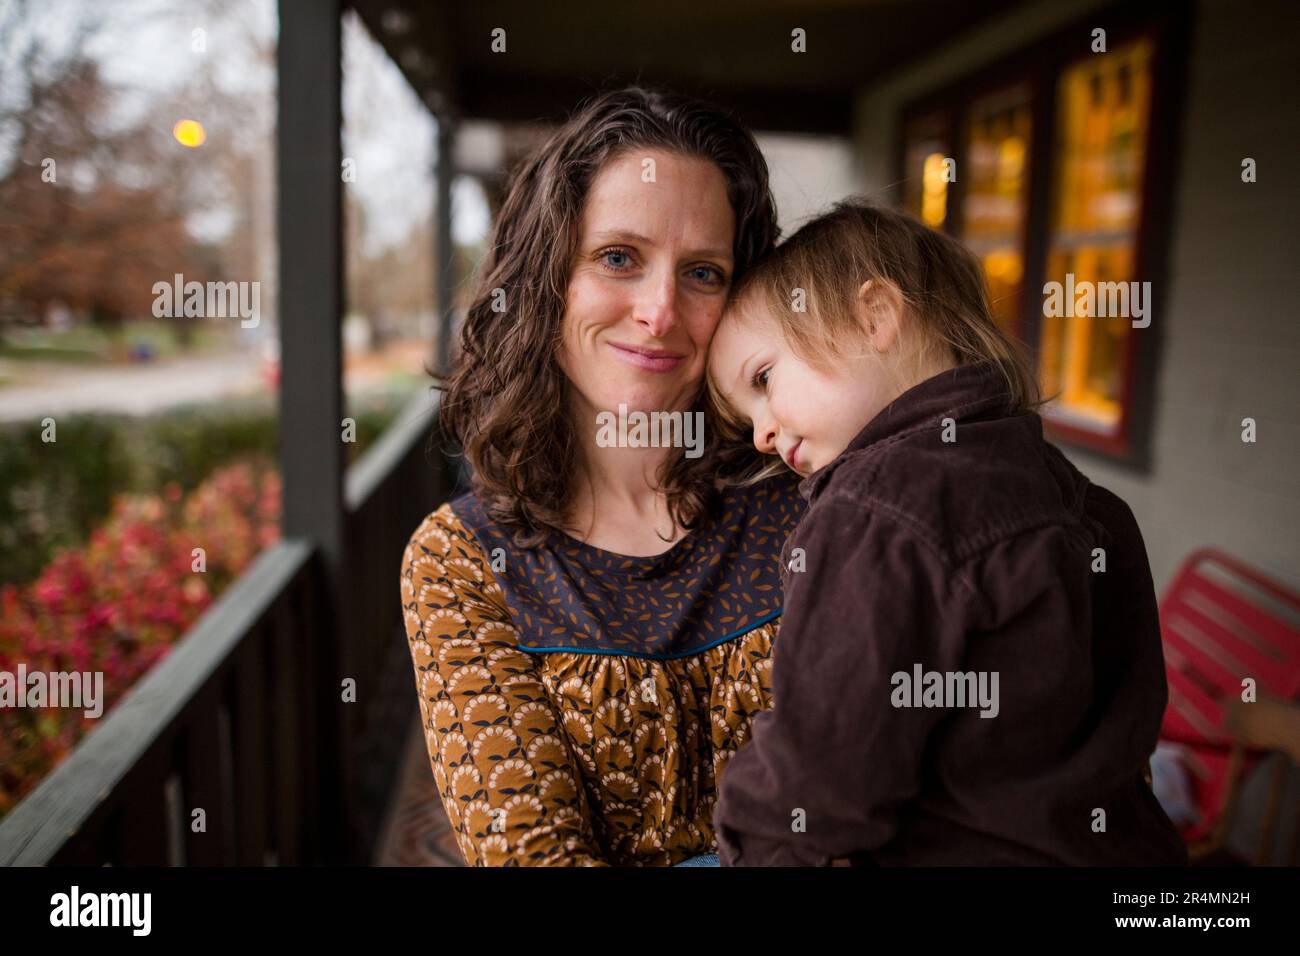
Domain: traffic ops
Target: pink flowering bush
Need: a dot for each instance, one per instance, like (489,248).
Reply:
(119,603)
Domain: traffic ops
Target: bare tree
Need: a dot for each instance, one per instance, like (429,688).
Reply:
(94,216)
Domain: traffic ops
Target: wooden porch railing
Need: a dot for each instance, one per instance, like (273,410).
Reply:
(386,494)
(244,719)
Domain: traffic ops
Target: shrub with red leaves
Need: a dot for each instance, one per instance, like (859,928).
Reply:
(120,602)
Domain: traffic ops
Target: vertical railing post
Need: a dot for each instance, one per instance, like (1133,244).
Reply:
(444,252)
(310,216)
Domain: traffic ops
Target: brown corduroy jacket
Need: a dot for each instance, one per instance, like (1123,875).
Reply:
(969,667)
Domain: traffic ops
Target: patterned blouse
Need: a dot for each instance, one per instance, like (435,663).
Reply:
(578,705)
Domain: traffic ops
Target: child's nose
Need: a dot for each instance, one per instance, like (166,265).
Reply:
(765,439)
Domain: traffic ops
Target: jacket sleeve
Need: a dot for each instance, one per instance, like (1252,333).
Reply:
(505,769)
(828,767)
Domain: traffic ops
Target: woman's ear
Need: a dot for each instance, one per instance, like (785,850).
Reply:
(880,312)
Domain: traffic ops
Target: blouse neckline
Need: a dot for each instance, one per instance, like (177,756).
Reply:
(593,556)
(718,581)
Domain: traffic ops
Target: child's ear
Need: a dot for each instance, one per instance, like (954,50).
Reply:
(880,311)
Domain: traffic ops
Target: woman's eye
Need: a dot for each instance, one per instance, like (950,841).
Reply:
(616,259)
(708,274)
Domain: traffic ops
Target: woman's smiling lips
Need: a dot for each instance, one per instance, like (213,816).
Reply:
(652,360)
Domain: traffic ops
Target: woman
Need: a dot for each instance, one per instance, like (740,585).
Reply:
(592,624)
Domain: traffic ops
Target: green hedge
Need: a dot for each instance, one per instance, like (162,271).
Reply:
(53,495)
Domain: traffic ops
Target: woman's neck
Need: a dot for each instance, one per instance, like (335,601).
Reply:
(617,505)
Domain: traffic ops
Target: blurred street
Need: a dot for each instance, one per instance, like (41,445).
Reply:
(43,389)
(32,390)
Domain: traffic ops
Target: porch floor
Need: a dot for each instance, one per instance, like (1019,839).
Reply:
(416,831)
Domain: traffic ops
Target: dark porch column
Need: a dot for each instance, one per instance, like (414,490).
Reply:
(311,397)
(443,249)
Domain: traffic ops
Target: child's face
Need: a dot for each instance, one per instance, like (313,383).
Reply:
(805,414)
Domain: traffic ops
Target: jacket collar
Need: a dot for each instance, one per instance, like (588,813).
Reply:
(959,393)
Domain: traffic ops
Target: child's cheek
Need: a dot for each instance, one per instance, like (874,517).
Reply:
(790,406)
(776,406)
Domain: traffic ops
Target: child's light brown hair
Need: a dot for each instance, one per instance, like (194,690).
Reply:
(940,282)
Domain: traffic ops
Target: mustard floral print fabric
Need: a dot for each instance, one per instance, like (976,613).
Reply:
(567,758)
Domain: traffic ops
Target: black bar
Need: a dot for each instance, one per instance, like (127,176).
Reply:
(331,905)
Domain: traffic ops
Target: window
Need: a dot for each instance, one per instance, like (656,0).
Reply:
(1103,107)
(1051,187)
(925,187)
(997,195)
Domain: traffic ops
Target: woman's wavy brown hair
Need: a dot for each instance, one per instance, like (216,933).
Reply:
(505,399)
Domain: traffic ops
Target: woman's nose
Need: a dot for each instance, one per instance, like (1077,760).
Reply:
(656,307)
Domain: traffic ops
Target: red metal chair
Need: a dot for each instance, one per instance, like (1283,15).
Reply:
(1223,621)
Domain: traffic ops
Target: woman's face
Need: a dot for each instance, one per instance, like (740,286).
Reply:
(647,283)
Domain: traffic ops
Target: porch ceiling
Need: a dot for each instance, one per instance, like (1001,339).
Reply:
(737,51)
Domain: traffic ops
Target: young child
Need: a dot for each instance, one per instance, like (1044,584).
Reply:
(969,667)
